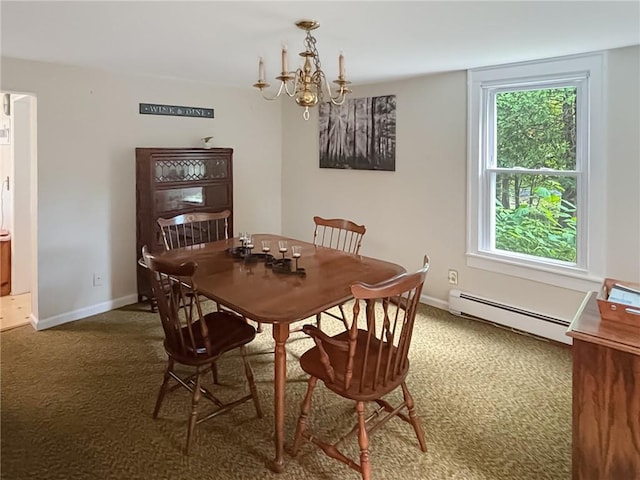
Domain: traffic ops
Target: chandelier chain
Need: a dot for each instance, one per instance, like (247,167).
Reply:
(310,44)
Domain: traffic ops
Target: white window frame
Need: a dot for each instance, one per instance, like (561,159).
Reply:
(586,73)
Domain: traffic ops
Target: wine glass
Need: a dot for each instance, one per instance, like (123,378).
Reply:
(282,247)
(296,252)
(249,240)
(266,246)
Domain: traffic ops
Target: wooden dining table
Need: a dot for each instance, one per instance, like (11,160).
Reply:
(261,294)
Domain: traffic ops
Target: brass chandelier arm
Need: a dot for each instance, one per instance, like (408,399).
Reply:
(341,94)
(284,87)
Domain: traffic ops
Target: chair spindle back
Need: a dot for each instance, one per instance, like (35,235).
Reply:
(194,228)
(374,355)
(338,233)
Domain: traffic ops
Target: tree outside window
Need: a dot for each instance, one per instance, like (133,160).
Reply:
(536,179)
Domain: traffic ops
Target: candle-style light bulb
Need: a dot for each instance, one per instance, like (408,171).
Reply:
(261,70)
(285,65)
(341,65)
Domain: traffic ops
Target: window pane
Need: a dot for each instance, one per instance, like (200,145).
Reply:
(536,128)
(536,215)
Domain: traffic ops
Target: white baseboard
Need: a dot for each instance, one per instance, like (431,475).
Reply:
(42,324)
(434,302)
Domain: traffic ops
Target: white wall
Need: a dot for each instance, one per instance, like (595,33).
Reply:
(623,173)
(88,128)
(23,109)
(424,200)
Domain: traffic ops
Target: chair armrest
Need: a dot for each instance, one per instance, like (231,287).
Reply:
(318,335)
(322,340)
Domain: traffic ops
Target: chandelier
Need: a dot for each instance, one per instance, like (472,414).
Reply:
(308,83)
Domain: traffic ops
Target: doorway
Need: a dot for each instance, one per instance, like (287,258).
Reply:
(18,209)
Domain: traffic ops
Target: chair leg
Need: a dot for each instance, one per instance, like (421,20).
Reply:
(153,303)
(304,413)
(252,383)
(413,417)
(363,441)
(318,318)
(214,372)
(193,417)
(163,387)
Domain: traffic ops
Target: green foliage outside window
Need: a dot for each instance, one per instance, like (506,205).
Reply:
(536,213)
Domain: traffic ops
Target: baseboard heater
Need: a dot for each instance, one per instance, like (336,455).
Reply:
(466,304)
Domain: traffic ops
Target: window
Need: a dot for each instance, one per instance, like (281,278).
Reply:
(536,189)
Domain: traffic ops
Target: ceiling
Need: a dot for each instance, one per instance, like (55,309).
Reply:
(220,42)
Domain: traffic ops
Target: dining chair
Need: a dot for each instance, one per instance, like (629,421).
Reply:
(339,234)
(365,363)
(194,228)
(195,340)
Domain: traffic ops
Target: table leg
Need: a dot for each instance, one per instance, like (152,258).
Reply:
(280,335)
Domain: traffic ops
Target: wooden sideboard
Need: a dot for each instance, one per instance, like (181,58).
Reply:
(5,265)
(606,396)
(172,181)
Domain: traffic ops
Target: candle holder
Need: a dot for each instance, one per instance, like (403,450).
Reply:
(284,265)
(278,265)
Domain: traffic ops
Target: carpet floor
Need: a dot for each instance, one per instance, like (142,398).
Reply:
(77,399)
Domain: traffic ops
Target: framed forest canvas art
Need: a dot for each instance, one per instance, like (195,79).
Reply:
(359,134)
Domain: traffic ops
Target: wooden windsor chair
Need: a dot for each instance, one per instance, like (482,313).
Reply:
(365,363)
(339,234)
(195,228)
(195,340)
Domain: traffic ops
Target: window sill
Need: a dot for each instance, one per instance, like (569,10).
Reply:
(565,277)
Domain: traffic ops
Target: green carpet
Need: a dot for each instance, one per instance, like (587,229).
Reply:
(77,402)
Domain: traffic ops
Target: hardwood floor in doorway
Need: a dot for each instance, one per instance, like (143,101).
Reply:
(14,311)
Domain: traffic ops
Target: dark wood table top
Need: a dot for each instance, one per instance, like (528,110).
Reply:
(259,293)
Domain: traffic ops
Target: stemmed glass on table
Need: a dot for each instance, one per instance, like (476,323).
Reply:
(296,252)
(282,248)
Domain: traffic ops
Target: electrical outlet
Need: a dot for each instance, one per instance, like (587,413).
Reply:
(453,277)
(97,279)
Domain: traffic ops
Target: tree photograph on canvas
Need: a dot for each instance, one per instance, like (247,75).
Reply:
(360,134)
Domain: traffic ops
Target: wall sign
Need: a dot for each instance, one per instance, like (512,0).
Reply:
(175,110)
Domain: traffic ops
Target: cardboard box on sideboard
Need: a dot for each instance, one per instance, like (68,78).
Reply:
(618,312)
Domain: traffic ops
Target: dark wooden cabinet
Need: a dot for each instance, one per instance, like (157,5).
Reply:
(171,181)
(606,396)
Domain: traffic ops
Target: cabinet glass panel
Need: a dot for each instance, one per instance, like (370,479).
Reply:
(218,196)
(179,199)
(190,169)
(191,198)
